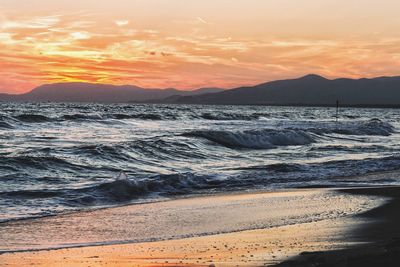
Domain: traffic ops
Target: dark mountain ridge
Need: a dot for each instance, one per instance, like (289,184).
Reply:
(87,92)
(310,90)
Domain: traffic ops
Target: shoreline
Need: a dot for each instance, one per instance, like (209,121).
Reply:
(379,238)
(167,199)
(370,176)
(283,247)
(245,248)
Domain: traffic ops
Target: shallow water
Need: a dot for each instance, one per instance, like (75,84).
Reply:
(181,219)
(61,157)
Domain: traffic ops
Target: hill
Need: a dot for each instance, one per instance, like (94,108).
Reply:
(310,90)
(103,93)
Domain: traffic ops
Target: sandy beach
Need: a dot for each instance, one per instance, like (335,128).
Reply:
(340,227)
(379,238)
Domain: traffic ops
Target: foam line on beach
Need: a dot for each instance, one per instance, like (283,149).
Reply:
(182,218)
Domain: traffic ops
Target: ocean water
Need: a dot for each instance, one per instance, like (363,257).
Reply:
(56,158)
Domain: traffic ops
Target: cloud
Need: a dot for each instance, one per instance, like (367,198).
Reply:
(201,20)
(80,35)
(121,23)
(33,23)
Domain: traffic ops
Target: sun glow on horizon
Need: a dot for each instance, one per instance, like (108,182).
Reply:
(193,44)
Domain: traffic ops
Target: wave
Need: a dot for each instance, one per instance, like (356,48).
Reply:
(5,122)
(155,148)
(146,116)
(123,190)
(103,157)
(352,148)
(30,194)
(370,127)
(44,163)
(78,116)
(277,167)
(141,116)
(119,116)
(32,118)
(256,139)
(271,138)
(329,169)
(231,116)
(5,125)
(141,187)
(40,163)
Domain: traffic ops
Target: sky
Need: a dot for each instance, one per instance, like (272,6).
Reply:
(188,44)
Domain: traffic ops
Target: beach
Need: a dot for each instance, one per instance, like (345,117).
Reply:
(350,222)
(380,237)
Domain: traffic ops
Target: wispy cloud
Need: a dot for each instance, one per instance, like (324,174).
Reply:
(80,35)
(36,23)
(121,22)
(202,20)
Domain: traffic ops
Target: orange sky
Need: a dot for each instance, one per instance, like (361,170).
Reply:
(194,43)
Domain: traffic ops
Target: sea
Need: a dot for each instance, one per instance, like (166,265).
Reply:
(57,158)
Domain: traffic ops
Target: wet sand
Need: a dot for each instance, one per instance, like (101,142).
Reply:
(244,248)
(379,238)
(247,248)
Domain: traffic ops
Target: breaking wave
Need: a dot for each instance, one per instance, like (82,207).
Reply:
(144,188)
(271,138)
(123,190)
(256,139)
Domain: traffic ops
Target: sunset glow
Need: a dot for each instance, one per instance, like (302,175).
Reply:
(191,44)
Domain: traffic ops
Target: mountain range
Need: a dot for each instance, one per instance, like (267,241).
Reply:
(103,93)
(310,90)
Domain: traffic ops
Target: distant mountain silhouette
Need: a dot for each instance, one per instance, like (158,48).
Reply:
(87,92)
(310,90)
